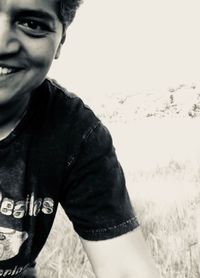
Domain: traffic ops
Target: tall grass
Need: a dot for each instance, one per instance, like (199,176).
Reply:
(63,255)
(171,229)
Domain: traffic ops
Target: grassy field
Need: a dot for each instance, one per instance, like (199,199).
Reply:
(157,140)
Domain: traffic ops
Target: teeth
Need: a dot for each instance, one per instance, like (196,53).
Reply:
(5,71)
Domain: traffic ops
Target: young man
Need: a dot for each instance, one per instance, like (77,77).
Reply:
(54,149)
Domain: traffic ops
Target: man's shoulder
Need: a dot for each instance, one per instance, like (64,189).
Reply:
(67,110)
(55,87)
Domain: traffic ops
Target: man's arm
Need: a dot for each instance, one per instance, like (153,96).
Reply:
(125,256)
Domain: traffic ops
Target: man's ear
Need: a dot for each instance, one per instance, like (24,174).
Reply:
(61,43)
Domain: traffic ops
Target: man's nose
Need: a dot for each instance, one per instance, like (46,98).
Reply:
(9,42)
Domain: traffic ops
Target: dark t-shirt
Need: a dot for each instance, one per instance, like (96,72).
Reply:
(59,153)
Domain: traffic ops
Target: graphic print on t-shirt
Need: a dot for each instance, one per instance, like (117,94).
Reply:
(31,206)
(13,237)
(10,242)
(12,232)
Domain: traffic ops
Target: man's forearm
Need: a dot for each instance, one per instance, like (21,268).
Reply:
(126,256)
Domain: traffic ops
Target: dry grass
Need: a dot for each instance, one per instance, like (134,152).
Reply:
(63,255)
(163,177)
(170,225)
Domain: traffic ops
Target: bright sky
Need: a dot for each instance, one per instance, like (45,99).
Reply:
(128,46)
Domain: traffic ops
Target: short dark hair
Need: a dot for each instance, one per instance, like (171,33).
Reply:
(67,10)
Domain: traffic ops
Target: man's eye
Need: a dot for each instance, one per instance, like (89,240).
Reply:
(33,27)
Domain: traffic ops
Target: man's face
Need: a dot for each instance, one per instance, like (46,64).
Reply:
(30,38)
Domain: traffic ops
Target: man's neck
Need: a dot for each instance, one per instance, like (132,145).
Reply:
(11,114)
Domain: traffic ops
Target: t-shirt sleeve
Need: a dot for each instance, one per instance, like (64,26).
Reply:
(95,197)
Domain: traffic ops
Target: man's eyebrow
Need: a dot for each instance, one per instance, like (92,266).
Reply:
(34,13)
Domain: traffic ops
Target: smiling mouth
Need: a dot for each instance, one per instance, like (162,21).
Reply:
(5,70)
